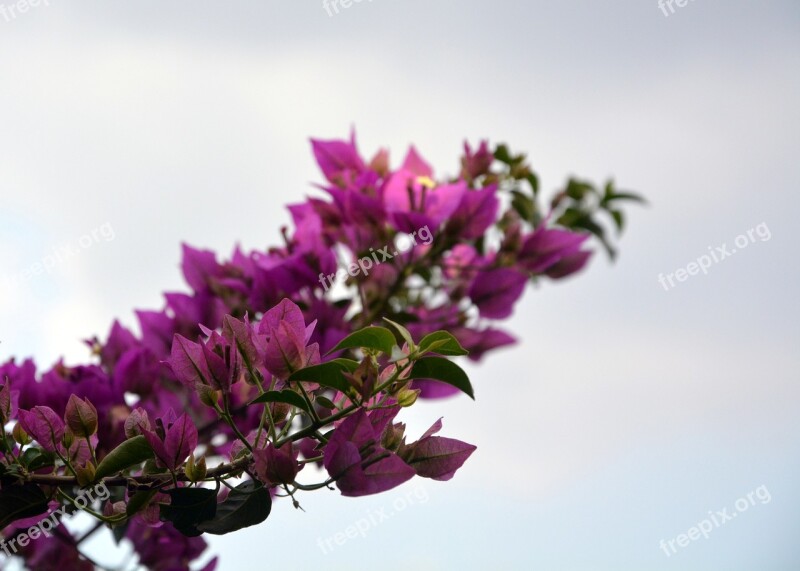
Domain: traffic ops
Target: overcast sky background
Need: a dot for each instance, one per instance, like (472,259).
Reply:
(626,413)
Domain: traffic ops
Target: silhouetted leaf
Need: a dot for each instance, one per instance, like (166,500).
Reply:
(19,501)
(189,508)
(247,504)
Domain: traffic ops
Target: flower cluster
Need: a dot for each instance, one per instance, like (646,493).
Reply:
(279,378)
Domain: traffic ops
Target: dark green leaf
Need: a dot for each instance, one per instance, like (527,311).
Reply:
(609,190)
(587,223)
(10,474)
(502,154)
(21,501)
(119,531)
(443,370)
(624,196)
(570,217)
(404,333)
(36,458)
(578,220)
(189,508)
(619,219)
(287,396)
(247,504)
(325,402)
(376,338)
(533,180)
(327,374)
(524,205)
(577,190)
(130,453)
(441,342)
(629,196)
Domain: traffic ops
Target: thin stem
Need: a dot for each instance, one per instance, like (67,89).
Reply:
(312,487)
(314,416)
(97,526)
(88,510)
(226,415)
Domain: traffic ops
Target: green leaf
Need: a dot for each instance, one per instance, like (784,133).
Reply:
(189,508)
(444,370)
(327,374)
(118,532)
(626,196)
(130,453)
(619,219)
(10,474)
(248,504)
(587,223)
(21,501)
(37,458)
(377,338)
(287,396)
(574,218)
(570,216)
(533,180)
(404,333)
(502,154)
(441,342)
(524,205)
(577,190)
(397,355)
(325,402)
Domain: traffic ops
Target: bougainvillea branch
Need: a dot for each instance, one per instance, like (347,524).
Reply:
(288,367)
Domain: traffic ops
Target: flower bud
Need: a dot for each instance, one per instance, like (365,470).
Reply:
(380,162)
(85,475)
(20,436)
(363,379)
(137,422)
(69,438)
(407,397)
(6,406)
(209,396)
(81,416)
(393,436)
(195,469)
(279,411)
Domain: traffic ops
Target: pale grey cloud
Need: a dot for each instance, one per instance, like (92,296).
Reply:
(189,121)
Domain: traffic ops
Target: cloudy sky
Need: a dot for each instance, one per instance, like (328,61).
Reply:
(626,414)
